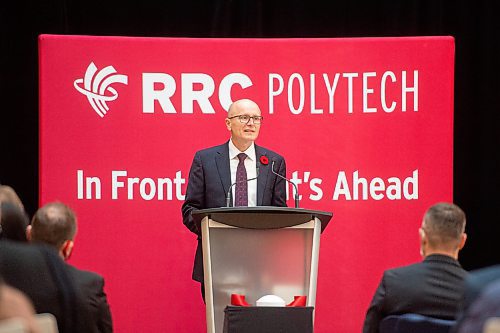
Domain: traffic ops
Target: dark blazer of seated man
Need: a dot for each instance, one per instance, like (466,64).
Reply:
(42,275)
(214,170)
(432,287)
(55,224)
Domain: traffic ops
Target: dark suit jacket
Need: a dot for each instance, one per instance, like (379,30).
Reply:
(430,288)
(209,182)
(91,286)
(42,275)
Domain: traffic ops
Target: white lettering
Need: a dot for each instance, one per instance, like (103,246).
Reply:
(377,188)
(356,181)
(79,182)
(350,93)
(405,89)
(331,91)
(159,88)
(147,188)
(130,187)
(164,186)
(147,182)
(313,184)
(150,95)
(190,95)
(300,80)
(115,184)
(313,97)
(413,182)
(178,181)
(87,186)
(383,99)
(226,85)
(273,93)
(367,91)
(341,187)
(377,185)
(97,187)
(394,189)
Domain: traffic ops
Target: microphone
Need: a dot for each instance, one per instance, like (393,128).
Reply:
(229,192)
(296,197)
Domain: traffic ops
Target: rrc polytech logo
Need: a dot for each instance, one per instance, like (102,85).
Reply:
(300,90)
(97,87)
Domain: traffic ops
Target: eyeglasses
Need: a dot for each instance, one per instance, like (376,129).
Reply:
(245,119)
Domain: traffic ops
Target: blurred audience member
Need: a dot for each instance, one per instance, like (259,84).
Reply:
(7,194)
(485,306)
(13,222)
(432,287)
(55,224)
(14,304)
(39,272)
(476,281)
(474,284)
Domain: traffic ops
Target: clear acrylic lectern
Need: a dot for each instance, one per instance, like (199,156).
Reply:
(256,251)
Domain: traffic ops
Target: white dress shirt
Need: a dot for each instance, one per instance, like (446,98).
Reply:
(250,166)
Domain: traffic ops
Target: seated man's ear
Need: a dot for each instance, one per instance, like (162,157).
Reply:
(462,241)
(423,236)
(67,249)
(423,241)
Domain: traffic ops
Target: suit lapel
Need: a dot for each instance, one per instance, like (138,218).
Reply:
(264,171)
(222,162)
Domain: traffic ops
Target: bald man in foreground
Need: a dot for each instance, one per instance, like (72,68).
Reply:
(215,169)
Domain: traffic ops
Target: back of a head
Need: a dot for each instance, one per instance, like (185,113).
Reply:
(53,224)
(8,195)
(444,224)
(13,222)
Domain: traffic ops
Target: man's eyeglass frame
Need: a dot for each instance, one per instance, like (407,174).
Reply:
(256,119)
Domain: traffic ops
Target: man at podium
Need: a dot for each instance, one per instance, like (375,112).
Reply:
(236,173)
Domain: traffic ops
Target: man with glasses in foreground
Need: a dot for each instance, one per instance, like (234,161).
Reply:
(215,169)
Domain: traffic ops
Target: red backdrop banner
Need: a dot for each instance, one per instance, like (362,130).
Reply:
(365,125)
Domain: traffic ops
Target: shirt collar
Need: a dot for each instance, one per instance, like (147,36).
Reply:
(233,151)
(441,258)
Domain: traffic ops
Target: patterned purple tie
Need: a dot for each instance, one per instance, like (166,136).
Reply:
(241,190)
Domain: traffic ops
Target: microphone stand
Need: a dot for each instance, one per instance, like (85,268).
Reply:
(296,196)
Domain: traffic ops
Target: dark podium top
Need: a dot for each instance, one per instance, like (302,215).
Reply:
(242,319)
(261,217)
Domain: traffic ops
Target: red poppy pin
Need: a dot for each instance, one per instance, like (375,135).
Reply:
(264,160)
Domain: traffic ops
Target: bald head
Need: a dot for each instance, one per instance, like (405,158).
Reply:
(243,121)
(53,224)
(241,106)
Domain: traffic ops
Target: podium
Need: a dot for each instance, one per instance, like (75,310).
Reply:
(256,251)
